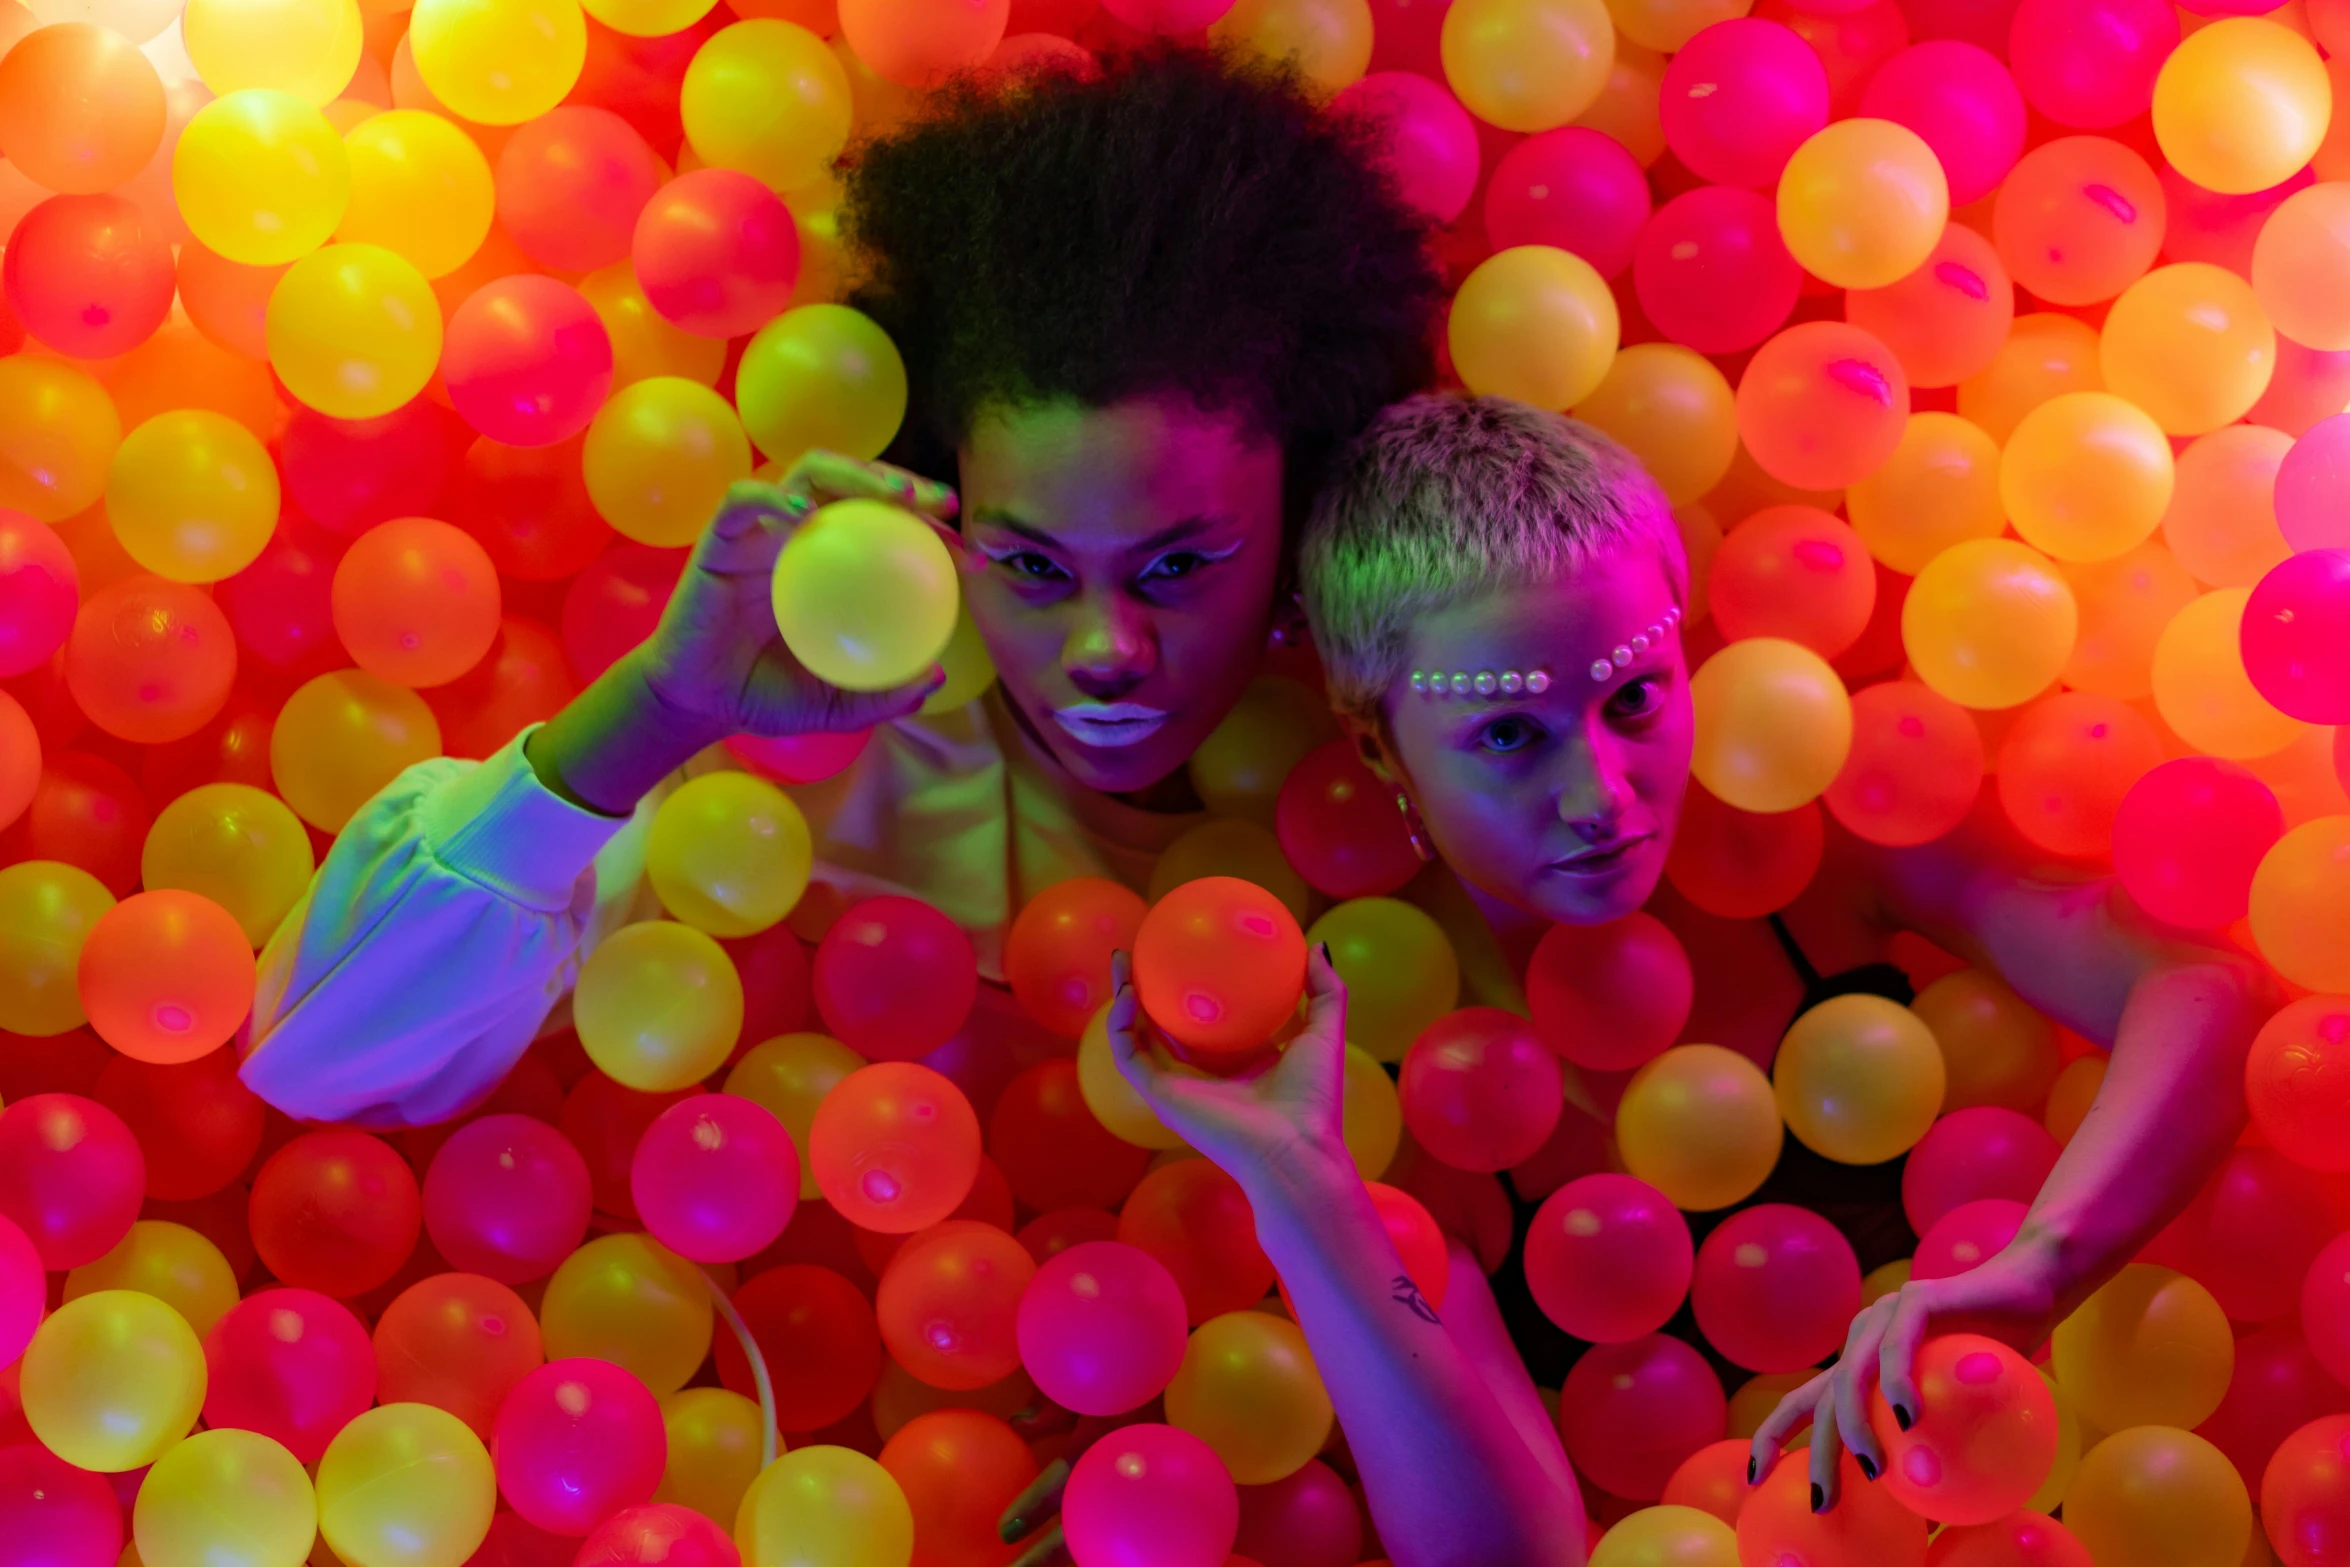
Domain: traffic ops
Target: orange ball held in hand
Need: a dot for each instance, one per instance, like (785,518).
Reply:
(1219,964)
(1793,572)
(1609,997)
(1989,623)
(166,976)
(1057,957)
(416,602)
(150,660)
(1982,1438)
(895,1147)
(1866,1527)
(1822,405)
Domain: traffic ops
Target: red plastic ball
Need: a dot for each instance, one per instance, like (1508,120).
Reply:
(816,1331)
(54,1515)
(85,811)
(71,1177)
(716,253)
(39,592)
(894,978)
(2297,1080)
(2090,64)
(2277,1387)
(2066,765)
(1197,1222)
(1057,956)
(1150,1494)
(1966,1237)
(571,185)
(282,606)
(350,474)
(1308,1520)
(2251,1233)
(615,602)
(657,1534)
(524,679)
(150,660)
(335,1211)
(1052,1149)
(894,1147)
(576,1441)
(1419,1243)
(1793,572)
(1739,98)
(1339,825)
(529,507)
(1101,1328)
(1915,767)
(512,1542)
(1711,271)
(416,601)
(291,1364)
(197,1124)
(1049,1234)
(527,361)
(1609,997)
(1630,1413)
(2325,1308)
(604,1121)
(1984,1436)
(1822,405)
(960,1470)
(2021,1539)
(458,1342)
(1743,864)
(1978,1152)
(715,1177)
(2189,835)
(1219,965)
(23,1291)
(507,1196)
(1574,189)
(90,276)
(1608,1258)
(799,759)
(1480,1091)
(949,1302)
(1775,1287)
(2305,1494)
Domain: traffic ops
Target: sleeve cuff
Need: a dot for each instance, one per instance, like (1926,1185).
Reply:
(496,824)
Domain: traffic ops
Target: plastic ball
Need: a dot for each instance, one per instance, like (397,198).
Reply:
(1479,1090)
(1429,140)
(1915,767)
(57,1515)
(2190,345)
(71,1176)
(576,1441)
(1338,826)
(1795,573)
(659,457)
(2022,1539)
(919,43)
(88,275)
(2167,1498)
(1536,324)
(2299,250)
(226,1496)
(768,98)
(2086,476)
(335,1211)
(861,963)
(1699,1123)
(58,432)
(2293,1080)
(658,1533)
(47,910)
(405,1485)
(2241,105)
(1989,623)
(2291,663)
(895,1147)
(2296,904)
(1673,410)
(1527,65)
(262,178)
(2250,1234)
(150,660)
(1219,964)
(959,1469)
(865,595)
(1101,1328)
(1977,1153)
(1984,1437)
(1151,1493)
(1656,1535)
(632,1301)
(1195,1220)
(2149,1348)
(343,736)
(1630,1413)
(39,591)
(1399,968)
(81,109)
(23,1290)
(791,1075)
(1249,1389)
(1859,1079)
(506,1196)
(2065,767)
(1773,725)
(1739,98)
(1822,405)
(658,1006)
(705,1177)
(290,1364)
(354,331)
(305,47)
(1944,322)
(238,846)
(728,853)
(948,1303)
(166,976)
(420,188)
(1711,271)
(169,1261)
(2078,220)
(822,375)
(817,1333)
(2201,687)
(1740,864)
(1866,1524)
(2124,605)
(1608,1258)
(1057,956)
(2304,1497)
(2090,66)
(1960,99)
(416,601)
(1996,1049)
(1609,997)
(570,185)
(112,1380)
(716,253)
(1775,1287)
(713,1451)
(498,62)
(528,361)
(1862,202)
(825,1504)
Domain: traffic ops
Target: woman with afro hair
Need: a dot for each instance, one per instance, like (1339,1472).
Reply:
(1140,308)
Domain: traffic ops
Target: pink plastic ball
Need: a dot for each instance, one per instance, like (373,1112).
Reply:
(2325,1307)
(615,602)
(571,185)
(1608,1258)
(1775,1287)
(1738,100)
(2293,641)
(282,606)
(71,1177)
(1101,1328)
(2313,487)
(2251,1234)
(54,1515)
(1983,1437)
(1712,272)
(291,1364)
(2188,837)
(2090,64)
(527,360)
(658,1534)
(576,1441)
(716,253)
(1630,1413)
(1966,1237)
(23,1291)
(39,592)
(1980,1151)
(1432,152)
(1339,826)
(715,1177)
(1962,103)
(1150,1496)
(1575,189)
(2277,1387)
(335,1211)
(1480,1090)
(350,474)
(894,979)
(799,759)
(507,1197)
(89,276)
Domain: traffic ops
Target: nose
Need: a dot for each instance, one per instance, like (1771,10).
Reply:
(1109,650)
(1596,791)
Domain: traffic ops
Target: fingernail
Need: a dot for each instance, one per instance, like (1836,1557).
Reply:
(1325,946)
(1750,1468)
(1012,1529)
(1868,1465)
(1819,1498)
(1902,1417)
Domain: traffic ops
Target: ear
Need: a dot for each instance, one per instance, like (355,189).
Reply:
(1369,739)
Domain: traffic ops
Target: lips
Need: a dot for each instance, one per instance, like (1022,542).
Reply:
(1601,862)
(1109,725)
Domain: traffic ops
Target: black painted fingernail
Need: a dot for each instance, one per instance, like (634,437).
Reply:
(1325,946)
(1902,1417)
(1750,1467)
(1012,1529)
(1868,1465)
(1819,1498)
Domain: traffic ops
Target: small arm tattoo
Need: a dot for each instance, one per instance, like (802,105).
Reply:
(1407,1294)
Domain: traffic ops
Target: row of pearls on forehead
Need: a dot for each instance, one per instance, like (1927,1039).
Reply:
(1625,652)
(1485,682)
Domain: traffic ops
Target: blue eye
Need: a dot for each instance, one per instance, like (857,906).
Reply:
(1638,698)
(1508,734)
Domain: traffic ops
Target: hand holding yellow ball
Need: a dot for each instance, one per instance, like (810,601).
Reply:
(865,595)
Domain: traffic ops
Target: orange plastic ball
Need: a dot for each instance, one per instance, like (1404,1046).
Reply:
(81,109)
(2201,688)
(2222,521)
(2298,262)
(416,602)
(2065,765)
(2078,220)
(343,736)
(1219,964)
(1773,724)
(1793,572)
(2190,345)
(166,976)
(1535,323)
(2045,355)
(1940,487)
(2161,1497)
(2301,905)
(1995,1049)
(949,1304)
(58,433)
(1057,957)
(959,1468)
(1983,1437)
(1989,624)
(2085,476)
(1672,409)
(895,1147)
(150,660)
(919,43)
(226,300)
(1866,1527)
(2125,603)
(1946,320)
(1822,405)
(1915,766)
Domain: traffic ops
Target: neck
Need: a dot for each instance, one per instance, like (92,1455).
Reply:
(1515,931)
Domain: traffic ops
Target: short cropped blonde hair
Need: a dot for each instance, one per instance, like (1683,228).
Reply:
(1447,495)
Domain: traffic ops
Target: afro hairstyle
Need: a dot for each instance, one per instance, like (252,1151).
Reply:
(1173,221)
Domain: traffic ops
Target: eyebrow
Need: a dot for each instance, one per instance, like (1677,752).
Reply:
(1189,527)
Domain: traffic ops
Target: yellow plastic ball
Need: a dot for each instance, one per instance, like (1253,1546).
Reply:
(1327,42)
(2150,1348)
(169,1261)
(192,496)
(1670,1536)
(498,62)
(2222,522)
(659,457)
(2052,1490)
(790,1075)
(261,177)
(728,853)
(1862,203)
(1400,970)
(1859,1079)
(305,47)
(1673,410)
(658,1006)
(1527,65)
(1627,105)
(405,1485)
(47,909)
(1700,1124)
(768,98)
(354,331)
(1996,1049)
(1939,488)
(644,342)
(2301,904)
(713,1451)
(1371,1114)
(1989,623)
(648,18)
(1239,769)
(1248,1388)
(865,595)
(2086,476)
(1664,26)
(965,662)
(821,376)
(2154,1497)
(226,1498)
(1113,1101)
(420,188)
(58,432)
(1774,725)
(2045,355)
(630,1300)
(235,844)
(2201,689)
(2190,345)
(824,1507)
(112,1380)
(1243,849)
(1534,323)
(2298,264)
(343,736)
(2241,105)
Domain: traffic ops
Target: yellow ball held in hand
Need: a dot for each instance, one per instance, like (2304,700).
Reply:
(1527,65)
(829,1505)
(2241,104)
(47,910)
(1535,323)
(343,736)
(405,1485)
(767,97)
(1400,970)
(498,62)
(305,47)
(1248,1388)
(2301,904)
(2150,1348)
(2298,264)
(1673,410)
(2086,476)
(1939,488)
(112,1380)
(192,496)
(821,376)
(240,846)
(2201,688)
(630,1300)
(1774,724)
(1670,1536)
(865,595)
(728,853)
(225,1498)
(420,188)
(354,331)
(1699,1124)
(658,1006)
(1859,1079)
(1989,623)
(790,1075)
(2159,1497)
(1122,1111)
(168,1261)
(2190,345)
(261,178)
(1862,203)
(58,432)
(659,457)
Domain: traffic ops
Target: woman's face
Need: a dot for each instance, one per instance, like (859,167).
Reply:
(1124,565)
(1562,804)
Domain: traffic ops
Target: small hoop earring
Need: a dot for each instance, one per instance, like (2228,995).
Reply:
(1415,831)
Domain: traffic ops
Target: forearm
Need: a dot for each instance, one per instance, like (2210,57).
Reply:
(612,743)
(1450,1477)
